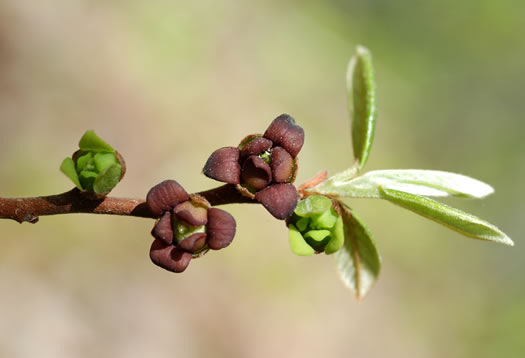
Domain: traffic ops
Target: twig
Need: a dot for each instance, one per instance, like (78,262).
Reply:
(74,201)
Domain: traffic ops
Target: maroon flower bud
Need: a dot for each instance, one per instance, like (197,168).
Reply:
(256,173)
(223,165)
(279,199)
(191,213)
(284,132)
(169,257)
(254,146)
(220,228)
(282,165)
(163,229)
(193,243)
(165,196)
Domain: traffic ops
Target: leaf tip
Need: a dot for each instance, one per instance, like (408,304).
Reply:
(362,50)
(507,240)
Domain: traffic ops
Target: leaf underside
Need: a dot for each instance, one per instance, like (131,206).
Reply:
(415,181)
(358,261)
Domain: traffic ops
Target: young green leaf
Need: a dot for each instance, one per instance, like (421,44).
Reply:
(313,205)
(338,238)
(358,261)
(91,142)
(297,243)
(361,92)
(464,223)
(104,160)
(68,168)
(414,181)
(108,179)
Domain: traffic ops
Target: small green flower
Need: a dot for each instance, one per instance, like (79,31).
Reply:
(315,227)
(95,167)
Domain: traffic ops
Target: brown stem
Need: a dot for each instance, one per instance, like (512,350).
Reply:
(226,194)
(74,201)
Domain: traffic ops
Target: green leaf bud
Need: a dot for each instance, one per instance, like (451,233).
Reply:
(317,225)
(96,167)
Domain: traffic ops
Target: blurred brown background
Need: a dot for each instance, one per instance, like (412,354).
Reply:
(167,82)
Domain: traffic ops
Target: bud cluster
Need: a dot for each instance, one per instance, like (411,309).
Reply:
(315,227)
(263,166)
(188,227)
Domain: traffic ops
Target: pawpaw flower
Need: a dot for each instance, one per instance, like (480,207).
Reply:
(187,226)
(263,166)
(315,227)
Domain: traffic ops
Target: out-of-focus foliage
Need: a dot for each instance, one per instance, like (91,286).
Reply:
(175,80)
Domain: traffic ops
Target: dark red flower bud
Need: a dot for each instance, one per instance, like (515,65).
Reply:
(223,165)
(165,196)
(256,173)
(282,165)
(169,257)
(255,146)
(279,199)
(163,229)
(193,243)
(191,213)
(284,132)
(220,228)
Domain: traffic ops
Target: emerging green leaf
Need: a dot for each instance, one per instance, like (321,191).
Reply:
(108,179)
(358,261)
(361,90)
(313,205)
(68,168)
(91,142)
(464,223)
(414,181)
(297,243)
(104,160)
(338,238)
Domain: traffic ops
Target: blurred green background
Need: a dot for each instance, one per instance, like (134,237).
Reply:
(167,82)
